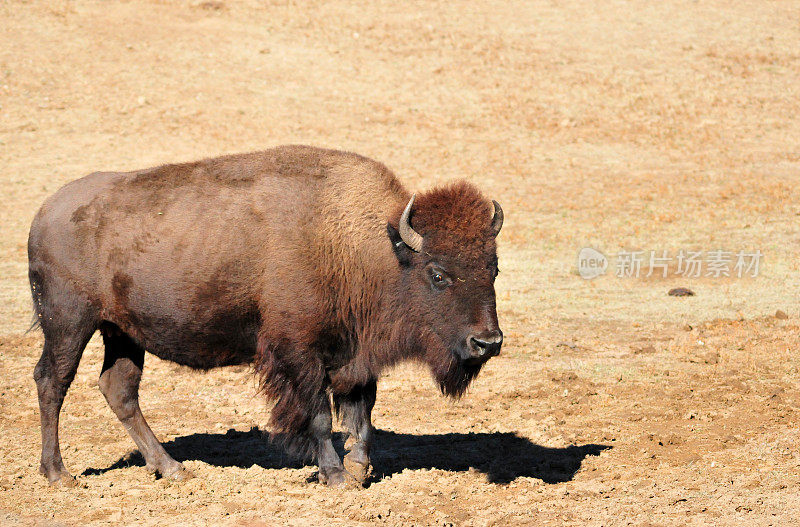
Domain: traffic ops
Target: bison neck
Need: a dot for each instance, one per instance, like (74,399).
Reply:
(389,333)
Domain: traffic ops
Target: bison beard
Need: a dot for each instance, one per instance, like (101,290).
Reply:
(452,374)
(455,376)
(315,266)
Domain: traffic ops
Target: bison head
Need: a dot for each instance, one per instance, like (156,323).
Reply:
(444,241)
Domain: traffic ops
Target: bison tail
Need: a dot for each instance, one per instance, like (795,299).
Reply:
(36,293)
(36,323)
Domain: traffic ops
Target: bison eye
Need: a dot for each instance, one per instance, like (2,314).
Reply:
(438,277)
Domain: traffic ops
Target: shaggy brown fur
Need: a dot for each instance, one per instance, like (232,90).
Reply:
(289,259)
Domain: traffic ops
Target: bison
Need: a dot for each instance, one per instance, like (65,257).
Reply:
(315,266)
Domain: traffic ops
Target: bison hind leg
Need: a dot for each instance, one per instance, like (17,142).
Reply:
(68,321)
(119,383)
(53,374)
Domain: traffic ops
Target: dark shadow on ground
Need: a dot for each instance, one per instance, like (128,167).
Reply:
(502,456)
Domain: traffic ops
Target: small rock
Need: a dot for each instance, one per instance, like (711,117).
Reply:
(708,357)
(775,393)
(711,357)
(564,377)
(209,5)
(687,327)
(680,291)
(781,315)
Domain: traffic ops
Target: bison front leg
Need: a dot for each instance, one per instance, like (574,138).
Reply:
(294,375)
(331,470)
(355,409)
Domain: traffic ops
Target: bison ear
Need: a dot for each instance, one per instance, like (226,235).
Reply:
(401,250)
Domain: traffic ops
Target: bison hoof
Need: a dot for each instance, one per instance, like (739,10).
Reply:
(175,473)
(182,474)
(359,471)
(65,480)
(61,478)
(338,478)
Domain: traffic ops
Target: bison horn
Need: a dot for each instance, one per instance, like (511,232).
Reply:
(409,236)
(497,219)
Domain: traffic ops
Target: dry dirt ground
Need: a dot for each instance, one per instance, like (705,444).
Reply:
(618,125)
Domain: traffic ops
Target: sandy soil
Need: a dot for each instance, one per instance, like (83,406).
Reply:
(618,125)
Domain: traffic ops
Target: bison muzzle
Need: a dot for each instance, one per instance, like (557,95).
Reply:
(315,266)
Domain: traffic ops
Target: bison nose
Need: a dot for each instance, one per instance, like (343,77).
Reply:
(486,345)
